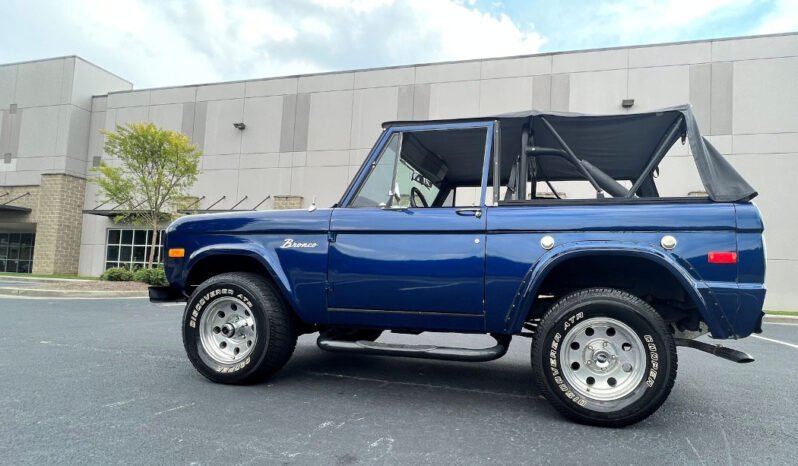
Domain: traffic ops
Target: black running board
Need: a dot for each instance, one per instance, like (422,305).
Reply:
(716,350)
(418,351)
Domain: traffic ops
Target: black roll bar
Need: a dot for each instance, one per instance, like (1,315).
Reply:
(523,171)
(659,153)
(573,158)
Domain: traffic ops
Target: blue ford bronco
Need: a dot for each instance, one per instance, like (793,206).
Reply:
(448,227)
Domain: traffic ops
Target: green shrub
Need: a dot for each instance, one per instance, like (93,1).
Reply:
(155,277)
(117,274)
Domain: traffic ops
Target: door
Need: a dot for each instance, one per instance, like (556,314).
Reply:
(401,255)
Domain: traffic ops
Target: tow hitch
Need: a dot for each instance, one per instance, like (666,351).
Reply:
(716,350)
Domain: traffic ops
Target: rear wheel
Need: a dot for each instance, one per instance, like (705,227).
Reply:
(236,329)
(604,357)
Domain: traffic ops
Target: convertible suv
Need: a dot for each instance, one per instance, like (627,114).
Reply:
(464,226)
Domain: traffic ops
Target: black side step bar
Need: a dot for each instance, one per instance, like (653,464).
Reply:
(716,350)
(419,351)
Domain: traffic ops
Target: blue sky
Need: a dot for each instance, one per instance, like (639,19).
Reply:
(173,42)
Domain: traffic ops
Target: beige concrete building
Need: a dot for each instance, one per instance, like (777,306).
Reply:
(305,136)
(45,120)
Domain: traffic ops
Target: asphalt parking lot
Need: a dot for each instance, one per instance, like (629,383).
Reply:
(105,381)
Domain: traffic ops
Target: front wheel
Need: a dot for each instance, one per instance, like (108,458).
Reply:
(604,357)
(236,329)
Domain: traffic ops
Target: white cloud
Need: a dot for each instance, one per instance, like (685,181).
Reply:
(628,22)
(157,43)
(469,33)
(638,16)
(173,42)
(782,18)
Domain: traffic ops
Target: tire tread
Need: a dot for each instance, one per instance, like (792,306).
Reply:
(653,318)
(282,325)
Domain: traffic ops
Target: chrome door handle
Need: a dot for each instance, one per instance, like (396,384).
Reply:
(471,211)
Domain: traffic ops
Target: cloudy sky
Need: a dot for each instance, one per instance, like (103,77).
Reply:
(172,42)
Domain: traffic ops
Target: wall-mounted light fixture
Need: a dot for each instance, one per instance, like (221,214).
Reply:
(627,103)
(240,126)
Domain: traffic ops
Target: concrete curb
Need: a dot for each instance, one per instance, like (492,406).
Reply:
(39,293)
(777,319)
(44,279)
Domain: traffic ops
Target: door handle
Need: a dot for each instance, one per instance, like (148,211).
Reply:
(471,211)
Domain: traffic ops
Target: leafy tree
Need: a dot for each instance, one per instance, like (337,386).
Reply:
(155,169)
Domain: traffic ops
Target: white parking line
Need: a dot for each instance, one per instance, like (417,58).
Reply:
(780,323)
(776,341)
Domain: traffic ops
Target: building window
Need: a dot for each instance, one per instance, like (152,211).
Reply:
(130,248)
(16,252)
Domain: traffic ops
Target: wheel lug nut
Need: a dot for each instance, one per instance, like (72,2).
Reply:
(627,367)
(605,344)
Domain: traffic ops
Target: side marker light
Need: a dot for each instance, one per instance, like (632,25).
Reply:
(722,257)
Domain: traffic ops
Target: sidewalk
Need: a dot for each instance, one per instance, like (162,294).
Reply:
(69,288)
(779,319)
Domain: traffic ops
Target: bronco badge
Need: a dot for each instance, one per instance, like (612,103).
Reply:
(289,243)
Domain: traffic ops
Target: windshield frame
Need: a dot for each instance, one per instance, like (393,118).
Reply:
(385,137)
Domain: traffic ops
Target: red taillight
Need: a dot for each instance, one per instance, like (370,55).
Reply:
(722,257)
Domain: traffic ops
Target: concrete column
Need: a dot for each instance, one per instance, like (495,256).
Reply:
(59,224)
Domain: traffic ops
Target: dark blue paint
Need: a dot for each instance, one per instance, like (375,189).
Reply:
(432,269)
(301,274)
(380,259)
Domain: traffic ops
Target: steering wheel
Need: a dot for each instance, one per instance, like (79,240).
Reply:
(415,192)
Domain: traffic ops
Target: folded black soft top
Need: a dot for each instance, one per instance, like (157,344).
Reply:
(620,145)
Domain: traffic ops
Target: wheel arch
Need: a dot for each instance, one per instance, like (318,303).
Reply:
(210,261)
(563,256)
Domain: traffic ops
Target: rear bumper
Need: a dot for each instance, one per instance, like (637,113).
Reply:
(165,294)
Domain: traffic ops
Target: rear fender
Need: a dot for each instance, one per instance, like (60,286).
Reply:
(708,307)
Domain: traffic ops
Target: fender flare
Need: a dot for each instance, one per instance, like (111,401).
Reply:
(266,258)
(696,289)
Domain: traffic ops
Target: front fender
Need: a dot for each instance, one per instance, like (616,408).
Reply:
(264,257)
(707,305)
(299,273)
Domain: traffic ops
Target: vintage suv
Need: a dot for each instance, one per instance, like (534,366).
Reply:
(444,229)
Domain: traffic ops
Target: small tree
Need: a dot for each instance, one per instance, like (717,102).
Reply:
(156,168)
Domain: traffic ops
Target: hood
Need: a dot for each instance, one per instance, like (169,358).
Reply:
(266,221)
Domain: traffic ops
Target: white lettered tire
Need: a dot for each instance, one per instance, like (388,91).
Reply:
(236,329)
(604,357)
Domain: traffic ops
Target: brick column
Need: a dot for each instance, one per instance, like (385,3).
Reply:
(282,201)
(59,224)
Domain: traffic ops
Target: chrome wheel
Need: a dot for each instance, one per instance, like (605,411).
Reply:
(227,330)
(603,359)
